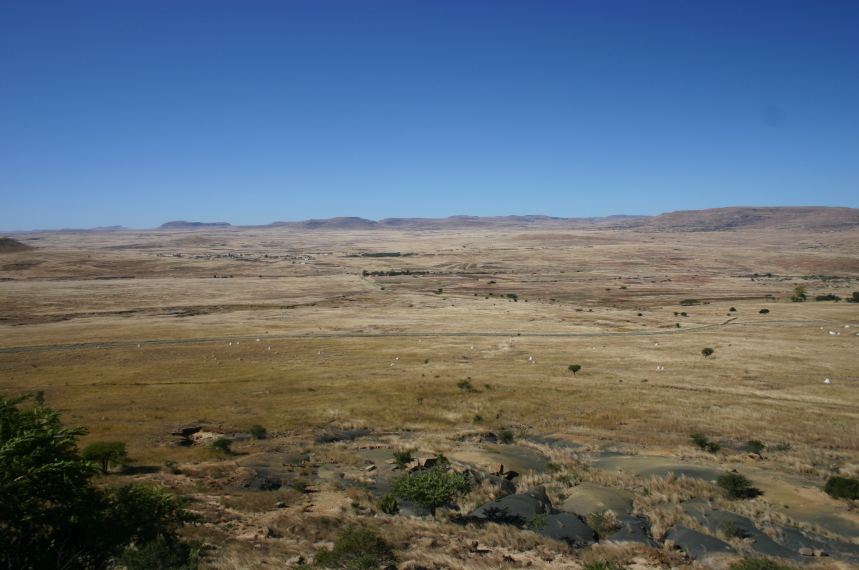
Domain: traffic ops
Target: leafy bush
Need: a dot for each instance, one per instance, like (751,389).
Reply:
(388,504)
(737,486)
(829,297)
(432,488)
(47,498)
(755,446)
(842,488)
(257,431)
(106,453)
(701,441)
(162,554)
(574,368)
(222,445)
(537,522)
(764,311)
(689,302)
(783,446)
(707,352)
(731,530)
(732,310)
(750,563)
(299,485)
(505,437)
(604,523)
(356,548)
(465,386)
(401,458)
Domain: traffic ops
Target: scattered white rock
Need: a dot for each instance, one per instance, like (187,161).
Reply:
(827,381)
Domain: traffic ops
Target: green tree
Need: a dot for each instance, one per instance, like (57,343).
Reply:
(51,515)
(764,311)
(737,486)
(106,453)
(574,368)
(707,352)
(431,488)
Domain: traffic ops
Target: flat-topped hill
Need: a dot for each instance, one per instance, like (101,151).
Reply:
(724,219)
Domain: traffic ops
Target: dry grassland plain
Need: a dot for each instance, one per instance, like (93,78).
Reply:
(135,334)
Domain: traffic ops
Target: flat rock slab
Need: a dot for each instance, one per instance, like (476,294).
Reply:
(343,435)
(515,509)
(568,528)
(587,498)
(644,466)
(795,539)
(697,545)
(633,531)
(512,457)
(556,440)
(716,520)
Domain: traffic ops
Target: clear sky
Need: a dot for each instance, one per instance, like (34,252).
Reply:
(141,112)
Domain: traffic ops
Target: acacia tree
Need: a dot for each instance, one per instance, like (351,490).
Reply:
(707,352)
(105,452)
(432,488)
(574,368)
(51,515)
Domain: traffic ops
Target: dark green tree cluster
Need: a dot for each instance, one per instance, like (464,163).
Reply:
(842,488)
(53,516)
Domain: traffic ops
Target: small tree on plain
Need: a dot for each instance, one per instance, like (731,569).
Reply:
(106,453)
(764,311)
(707,352)
(574,368)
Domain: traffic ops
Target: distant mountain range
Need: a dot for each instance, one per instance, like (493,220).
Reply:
(714,219)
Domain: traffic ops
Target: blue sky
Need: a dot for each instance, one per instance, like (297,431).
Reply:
(138,113)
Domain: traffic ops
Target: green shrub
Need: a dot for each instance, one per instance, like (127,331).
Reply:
(299,485)
(401,458)
(431,488)
(701,441)
(750,563)
(505,437)
(465,386)
(755,446)
(356,548)
(732,310)
(736,486)
(388,504)
(764,311)
(574,368)
(162,554)
(222,445)
(477,418)
(106,453)
(731,530)
(604,523)
(689,302)
(707,352)
(537,522)
(842,488)
(257,431)
(829,297)
(783,446)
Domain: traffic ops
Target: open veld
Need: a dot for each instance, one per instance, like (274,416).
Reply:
(437,337)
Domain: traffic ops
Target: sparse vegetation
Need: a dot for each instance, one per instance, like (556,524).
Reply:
(751,563)
(402,458)
(701,441)
(356,549)
(755,446)
(707,352)
(764,311)
(537,522)
(604,523)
